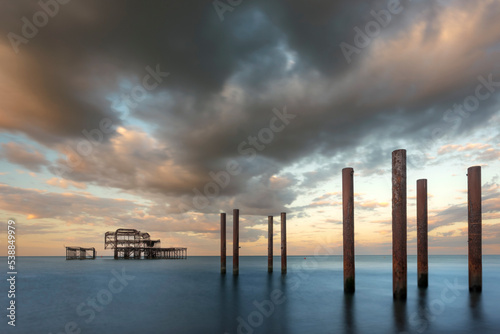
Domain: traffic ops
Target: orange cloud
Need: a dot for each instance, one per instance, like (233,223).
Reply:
(63,183)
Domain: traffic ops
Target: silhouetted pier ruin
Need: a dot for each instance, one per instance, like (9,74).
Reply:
(80,253)
(134,244)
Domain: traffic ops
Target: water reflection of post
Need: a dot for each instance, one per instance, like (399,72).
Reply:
(235,307)
(349,319)
(284,312)
(476,307)
(224,326)
(422,312)
(400,314)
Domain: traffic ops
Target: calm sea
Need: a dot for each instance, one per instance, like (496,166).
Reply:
(191,296)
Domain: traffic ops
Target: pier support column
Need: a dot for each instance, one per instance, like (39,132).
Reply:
(222,243)
(236,242)
(399,258)
(474,215)
(348,228)
(422,245)
(283,243)
(270,244)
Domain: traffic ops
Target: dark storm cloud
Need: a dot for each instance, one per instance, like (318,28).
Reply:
(226,77)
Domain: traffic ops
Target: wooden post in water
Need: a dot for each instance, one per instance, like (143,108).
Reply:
(422,245)
(399,260)
(222,243)
(236,242)
(269,244)
(283,243)
(348,228)
(474,215)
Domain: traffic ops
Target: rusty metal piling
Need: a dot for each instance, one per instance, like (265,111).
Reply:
(474,222)
(222,243)
(399,254)
(270,244)
(422,244)
(348,228)
(236,241)
(283,243)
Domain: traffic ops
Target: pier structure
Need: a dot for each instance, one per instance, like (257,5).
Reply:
(80,253)
(223,243)
(134,244)
(269,244)
(399,231)
(474,229)
(348,228)
(399,237)
(422,239)
(283,243)
(236,241)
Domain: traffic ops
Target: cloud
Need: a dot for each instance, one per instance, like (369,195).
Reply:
(62,183)
(226,77)
(370,205)
(23,155)
(457,213)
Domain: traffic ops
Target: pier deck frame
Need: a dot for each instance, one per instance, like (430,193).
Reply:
(80,253)
(134,244)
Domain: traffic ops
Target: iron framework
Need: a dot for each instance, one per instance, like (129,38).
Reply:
(80,253)
(134,244)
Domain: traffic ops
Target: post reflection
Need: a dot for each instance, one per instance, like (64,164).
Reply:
(281,315)
(349,317)
(419,319)
(223,303)
(400,316)
(476,306)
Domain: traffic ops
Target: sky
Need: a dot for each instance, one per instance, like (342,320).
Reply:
(160,115)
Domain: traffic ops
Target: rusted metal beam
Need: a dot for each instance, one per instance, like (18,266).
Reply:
(283,243)
(270,244)
(223,243)
(236,242)
(399,260)
(348,228)
(474,217)
(422,244)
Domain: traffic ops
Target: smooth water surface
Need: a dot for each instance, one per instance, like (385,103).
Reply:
(191,296)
